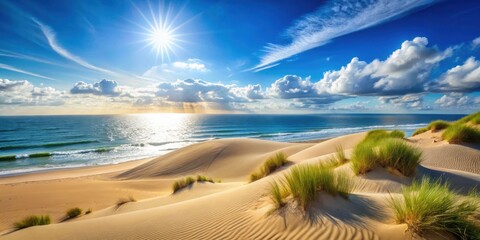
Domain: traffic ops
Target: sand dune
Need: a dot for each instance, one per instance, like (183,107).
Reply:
(233,209)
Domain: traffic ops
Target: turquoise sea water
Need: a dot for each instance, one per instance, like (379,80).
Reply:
(72,141)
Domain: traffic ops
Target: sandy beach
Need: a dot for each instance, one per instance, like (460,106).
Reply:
(230,209)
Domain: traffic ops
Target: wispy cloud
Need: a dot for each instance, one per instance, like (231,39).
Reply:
(52,41)
(335,19)
(14,69)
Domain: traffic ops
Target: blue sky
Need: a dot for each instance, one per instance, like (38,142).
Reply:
(90,57)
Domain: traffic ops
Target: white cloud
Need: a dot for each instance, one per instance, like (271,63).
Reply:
(104,87)
(476,42)
(406,70)
(461,78)
(414,101)
(292,86)
(22,92)
(250,92)
(52,41)
(336,19)
(191,64)
(195,90)
(456,100)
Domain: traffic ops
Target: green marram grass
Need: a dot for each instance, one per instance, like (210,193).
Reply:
(364,157)
(277,193)
(338,158)
(461,133)
(270,165)
(201,178)
(182,183)
(438,125)
(473,118)
(386,149)
(123,201)
(430,206)
(73,213)
(397,154)
(187,181)
(31,221)
(304,182)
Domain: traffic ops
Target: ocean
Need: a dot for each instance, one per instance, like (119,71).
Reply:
(33,143)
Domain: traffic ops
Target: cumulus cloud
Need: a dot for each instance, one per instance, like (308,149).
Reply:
(191,64)
(335,19)
(406,70)
(251,92)
(6,84)
(476,42)
(414,101)
(292,86)
(196,90)
(461,78)
(455,100)
(22,92)
(104,87)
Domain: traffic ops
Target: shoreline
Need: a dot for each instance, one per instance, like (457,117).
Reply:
(71,172)
(106,168)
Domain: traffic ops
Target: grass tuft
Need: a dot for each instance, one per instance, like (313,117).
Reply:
(429,205)
(277,194)
(438,125)
(31,221)
(201,178)
(73,213)
(88,211)
(399,155)
(459,133)
(419,131)
(364,157)
(397,134)
(123,201)
(473,118)
(304,181)
(269,166)
(187,181)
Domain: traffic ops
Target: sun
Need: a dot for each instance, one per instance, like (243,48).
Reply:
(161,31)
(161,38)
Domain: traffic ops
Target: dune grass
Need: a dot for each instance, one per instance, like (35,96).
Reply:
(73,213)
(277,194)
(201,178)
(429,205)
(364,157)
(461,133)
(182,183)
(31,221)
(269,166)
(187,181)
(398,155)
(438,125)
(387,150)
(473,118)
(88,211)
(338,157)
(304,181)
(123,201)
(39,155)
(420,130)
(397,134)
(8,158)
